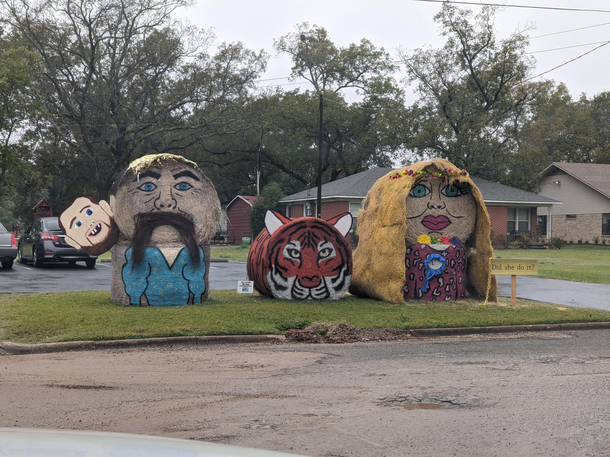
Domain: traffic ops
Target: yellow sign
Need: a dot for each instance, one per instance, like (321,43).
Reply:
(522,267)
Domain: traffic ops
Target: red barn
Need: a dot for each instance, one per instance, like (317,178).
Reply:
(238,218)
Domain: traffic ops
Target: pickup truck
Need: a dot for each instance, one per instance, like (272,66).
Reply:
(8,247)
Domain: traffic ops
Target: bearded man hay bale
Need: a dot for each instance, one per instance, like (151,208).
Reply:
(167,211)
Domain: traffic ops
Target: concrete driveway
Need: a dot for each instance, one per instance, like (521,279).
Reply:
(569,293)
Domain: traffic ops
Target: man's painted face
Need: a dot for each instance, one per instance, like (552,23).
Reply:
(437,208)
(174,187)
(86,223)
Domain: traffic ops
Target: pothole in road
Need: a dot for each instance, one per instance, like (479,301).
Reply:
(426,401)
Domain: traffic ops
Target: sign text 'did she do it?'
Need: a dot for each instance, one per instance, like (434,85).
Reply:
(521,267)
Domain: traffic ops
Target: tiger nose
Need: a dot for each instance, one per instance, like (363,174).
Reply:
(310,281)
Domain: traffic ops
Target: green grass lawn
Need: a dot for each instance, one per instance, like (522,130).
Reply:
(73,316)
(231,253)
(572,263)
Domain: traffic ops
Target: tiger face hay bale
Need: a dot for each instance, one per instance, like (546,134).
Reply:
(302,259)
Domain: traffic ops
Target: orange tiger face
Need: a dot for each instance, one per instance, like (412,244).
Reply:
(303,259)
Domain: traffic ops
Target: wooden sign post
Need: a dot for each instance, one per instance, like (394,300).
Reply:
(514,267)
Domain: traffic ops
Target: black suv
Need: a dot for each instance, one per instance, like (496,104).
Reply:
(44,242)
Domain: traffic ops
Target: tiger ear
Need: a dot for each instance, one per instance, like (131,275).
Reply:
(342,222)
(274,220)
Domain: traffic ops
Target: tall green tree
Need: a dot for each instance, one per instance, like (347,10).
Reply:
(473,93)
(121,79)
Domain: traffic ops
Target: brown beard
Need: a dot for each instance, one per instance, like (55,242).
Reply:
(146,223)
(111,239)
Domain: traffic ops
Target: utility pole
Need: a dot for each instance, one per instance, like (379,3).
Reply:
(320,139)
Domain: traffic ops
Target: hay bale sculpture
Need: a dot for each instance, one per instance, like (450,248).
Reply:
(167,211)
(424,233)
(302,259)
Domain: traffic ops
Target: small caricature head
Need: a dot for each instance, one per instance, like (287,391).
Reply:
(89,225)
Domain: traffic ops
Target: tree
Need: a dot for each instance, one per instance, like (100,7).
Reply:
(17,68)
(269,198)
(348,139)
(121,79)
(473,93)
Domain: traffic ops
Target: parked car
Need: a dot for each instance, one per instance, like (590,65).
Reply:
(8,247)
(44,241)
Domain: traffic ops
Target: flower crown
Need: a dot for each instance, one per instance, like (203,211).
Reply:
(446,173)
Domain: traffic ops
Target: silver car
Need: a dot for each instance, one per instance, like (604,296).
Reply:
(44,241)
(8,247)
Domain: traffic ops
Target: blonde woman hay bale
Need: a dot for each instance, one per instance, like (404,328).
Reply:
(424,232)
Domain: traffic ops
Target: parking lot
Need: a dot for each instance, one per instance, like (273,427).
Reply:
(62,277)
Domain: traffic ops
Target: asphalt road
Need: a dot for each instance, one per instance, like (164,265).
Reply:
(225,275)
(63,278)
(544,394)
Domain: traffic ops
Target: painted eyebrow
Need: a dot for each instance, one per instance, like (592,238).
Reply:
(188,173)
(146,174)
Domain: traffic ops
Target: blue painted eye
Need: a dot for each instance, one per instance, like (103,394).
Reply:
(147,187)
(89,212)
(182,186)
(79,224)
(453,191)
(419,191)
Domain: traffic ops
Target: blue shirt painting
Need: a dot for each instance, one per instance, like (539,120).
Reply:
(162,284)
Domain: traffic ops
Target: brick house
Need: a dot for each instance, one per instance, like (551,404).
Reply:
(584,189)
(512,211)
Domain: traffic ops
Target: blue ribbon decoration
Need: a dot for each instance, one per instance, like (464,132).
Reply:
(432,272)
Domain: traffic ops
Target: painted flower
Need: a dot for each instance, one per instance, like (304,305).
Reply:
(445,240)
(456,241)
(435,239)
(423,239)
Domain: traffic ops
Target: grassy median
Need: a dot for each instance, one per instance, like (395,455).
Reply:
(73,316)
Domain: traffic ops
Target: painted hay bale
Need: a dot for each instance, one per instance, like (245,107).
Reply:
(302,259)
(390,222)
(167,211)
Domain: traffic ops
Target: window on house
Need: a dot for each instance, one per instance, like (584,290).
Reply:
(570,216)
(518,220)
(308,210)
(288,211)
(606,224)
(541,225)
(354,207)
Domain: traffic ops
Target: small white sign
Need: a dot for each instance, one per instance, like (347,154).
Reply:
(245,287)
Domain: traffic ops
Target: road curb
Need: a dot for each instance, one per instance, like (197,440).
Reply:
(456,331)
(9,347)
(42,348)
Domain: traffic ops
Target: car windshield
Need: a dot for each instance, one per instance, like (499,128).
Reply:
(2,229)
(52,224)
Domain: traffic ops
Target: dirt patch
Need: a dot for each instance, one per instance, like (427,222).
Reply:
(323,332)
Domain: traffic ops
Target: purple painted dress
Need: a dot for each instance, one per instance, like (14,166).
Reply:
(435,273)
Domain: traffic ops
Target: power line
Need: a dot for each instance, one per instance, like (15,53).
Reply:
(570,61)
(566,47)
(571,30)
(516,6)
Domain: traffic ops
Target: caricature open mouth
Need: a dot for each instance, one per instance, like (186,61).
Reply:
(435,223)
(96,230)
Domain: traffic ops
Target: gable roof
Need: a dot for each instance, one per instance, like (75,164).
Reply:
(356,187)
(250,200)
(594,175)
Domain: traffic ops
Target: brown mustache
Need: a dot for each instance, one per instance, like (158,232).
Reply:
(146,223)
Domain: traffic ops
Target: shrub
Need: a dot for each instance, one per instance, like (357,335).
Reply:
(503,241)
(596,240)
(580,241)
(557,242)
(524,242)
(603,241)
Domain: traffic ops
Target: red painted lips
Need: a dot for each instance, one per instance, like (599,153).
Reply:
(435,223)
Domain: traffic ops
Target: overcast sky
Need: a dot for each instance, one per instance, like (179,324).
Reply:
(408,24)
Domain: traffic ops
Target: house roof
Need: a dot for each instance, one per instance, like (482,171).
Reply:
(594,175)
(249,199)
(356,187)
